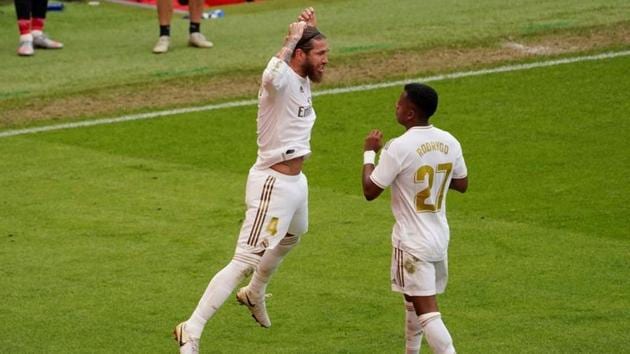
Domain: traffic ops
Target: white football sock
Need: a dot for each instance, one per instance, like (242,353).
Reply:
(37,33)
(219,289)
(413,330)
(268,265)
(437,335)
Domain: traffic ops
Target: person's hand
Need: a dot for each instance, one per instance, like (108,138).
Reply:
(373,141)
(308,16)
(296,29)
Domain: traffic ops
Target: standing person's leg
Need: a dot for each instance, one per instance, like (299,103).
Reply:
(196,39)
(38,18)
(413,329)
(23,12)
(165,14)
(430,319)
(429,279)
(195,9)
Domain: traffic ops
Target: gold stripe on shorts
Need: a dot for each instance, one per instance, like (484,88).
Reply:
(265,197)
(400,275)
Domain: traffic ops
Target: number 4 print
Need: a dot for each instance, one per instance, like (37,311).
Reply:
(272,227)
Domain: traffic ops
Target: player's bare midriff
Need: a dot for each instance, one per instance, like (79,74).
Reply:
(289,167)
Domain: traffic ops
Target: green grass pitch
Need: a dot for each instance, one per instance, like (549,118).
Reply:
(110,234)
(109,45)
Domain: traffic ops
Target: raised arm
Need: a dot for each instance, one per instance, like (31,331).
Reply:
(296,29)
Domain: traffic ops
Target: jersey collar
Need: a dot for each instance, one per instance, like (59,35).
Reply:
(430,126)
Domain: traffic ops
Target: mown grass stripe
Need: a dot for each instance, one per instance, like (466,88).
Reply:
(211,107)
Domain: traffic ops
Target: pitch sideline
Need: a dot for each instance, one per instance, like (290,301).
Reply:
(211,107)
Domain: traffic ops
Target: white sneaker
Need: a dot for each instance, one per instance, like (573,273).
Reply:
(162,45)
(26,48)
(197,39)
(42,41)
(258,309)
(187,344)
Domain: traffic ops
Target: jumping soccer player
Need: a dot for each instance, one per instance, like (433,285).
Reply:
(277,190)
(420,165)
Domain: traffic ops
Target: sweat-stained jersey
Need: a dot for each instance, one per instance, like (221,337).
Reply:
(419,165)
(285,115)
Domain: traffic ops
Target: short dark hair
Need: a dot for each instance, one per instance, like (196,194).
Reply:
(423,97)
(306,42)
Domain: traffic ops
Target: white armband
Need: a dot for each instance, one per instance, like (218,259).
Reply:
(369,157)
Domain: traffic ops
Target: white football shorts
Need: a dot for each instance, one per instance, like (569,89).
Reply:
(277,204)
(415,277)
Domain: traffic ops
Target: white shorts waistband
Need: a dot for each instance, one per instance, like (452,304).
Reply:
(274,173)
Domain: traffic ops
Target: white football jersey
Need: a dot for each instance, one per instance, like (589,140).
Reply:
(285,115)
(419,165)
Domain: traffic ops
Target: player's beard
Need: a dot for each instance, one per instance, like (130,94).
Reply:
(312,72)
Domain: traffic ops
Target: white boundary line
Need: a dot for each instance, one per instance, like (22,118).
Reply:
(211,107)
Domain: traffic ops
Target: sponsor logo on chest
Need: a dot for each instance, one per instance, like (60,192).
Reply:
(305,111)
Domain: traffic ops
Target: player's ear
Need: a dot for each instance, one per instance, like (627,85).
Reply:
(299,53)
(411,114)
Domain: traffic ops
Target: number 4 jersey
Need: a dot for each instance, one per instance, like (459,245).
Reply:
(285,115)
(419,165)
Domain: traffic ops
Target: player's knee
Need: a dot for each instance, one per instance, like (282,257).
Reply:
(426,318)
(413,327)
(246,262)
(437,335)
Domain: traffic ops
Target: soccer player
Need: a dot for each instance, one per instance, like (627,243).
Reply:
(277,192)
(420,165)
(165,13)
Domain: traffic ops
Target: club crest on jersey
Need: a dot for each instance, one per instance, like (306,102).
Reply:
(304,111)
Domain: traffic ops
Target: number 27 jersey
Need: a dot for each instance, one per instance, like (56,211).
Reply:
(419,165)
